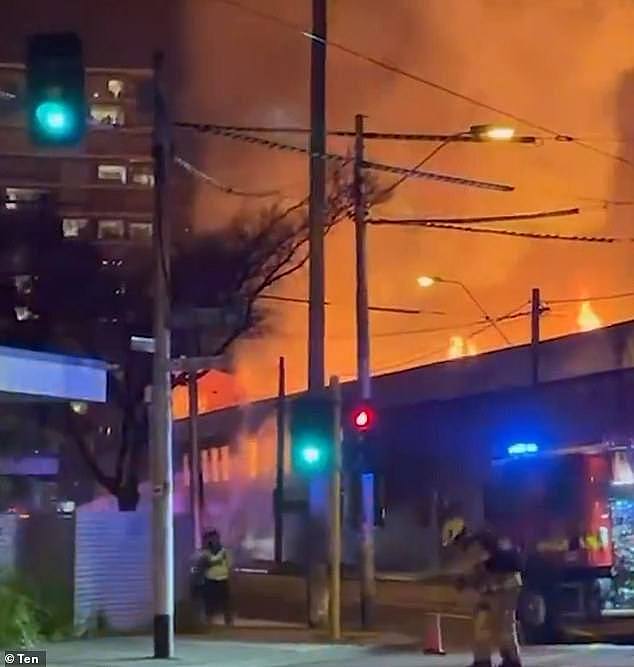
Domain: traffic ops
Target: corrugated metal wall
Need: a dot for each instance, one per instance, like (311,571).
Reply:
(113,570)
(8,527)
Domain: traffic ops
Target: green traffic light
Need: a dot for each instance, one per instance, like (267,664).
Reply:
(55,119)
(311,455)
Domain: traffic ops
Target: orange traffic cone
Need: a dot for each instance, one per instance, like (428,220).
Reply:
(432,642)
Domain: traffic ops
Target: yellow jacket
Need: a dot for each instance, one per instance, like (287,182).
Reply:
(216,565)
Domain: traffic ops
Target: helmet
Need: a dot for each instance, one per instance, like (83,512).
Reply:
(452,529)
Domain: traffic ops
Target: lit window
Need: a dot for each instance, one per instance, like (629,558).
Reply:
(110,229)
(24,313)
(112,172)
(224,464)
(115,88)
(15,196)
(143,175)
(140,231)
(74,228)
(23,284)
(107,114)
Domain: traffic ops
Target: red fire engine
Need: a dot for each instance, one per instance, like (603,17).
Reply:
(558,508)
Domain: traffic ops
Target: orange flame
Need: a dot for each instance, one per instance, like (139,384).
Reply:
(587,318)
(459,347)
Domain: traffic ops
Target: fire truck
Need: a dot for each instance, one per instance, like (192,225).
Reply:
(571,514)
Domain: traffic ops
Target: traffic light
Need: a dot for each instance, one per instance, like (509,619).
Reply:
(56,101)
(312,426)
(363,418)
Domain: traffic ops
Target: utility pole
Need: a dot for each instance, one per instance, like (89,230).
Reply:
(317,200)
(366,527)
(194,454)
(278,501)
(535,334)
(161,427)
(317,551)
(335,517)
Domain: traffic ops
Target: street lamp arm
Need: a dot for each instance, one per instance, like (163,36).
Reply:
(481,308)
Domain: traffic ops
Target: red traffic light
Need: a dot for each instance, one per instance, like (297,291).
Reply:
(363,418)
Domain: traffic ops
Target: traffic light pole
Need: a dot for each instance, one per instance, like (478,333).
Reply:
(366,527)
(278,504)
(161,412)
(194,465)
(335,517)
(535,334)
(317,551)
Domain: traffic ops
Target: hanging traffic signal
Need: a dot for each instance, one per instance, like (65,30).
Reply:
(312,426)
(56,101)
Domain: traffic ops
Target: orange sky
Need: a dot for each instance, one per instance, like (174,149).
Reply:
(561,64)
(564,64)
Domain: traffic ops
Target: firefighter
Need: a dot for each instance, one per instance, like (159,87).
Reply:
(492,569)
(215,564)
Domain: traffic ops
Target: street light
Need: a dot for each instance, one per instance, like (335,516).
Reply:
(429,281)
(491,132)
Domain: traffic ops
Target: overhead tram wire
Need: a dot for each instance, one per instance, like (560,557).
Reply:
(395,69)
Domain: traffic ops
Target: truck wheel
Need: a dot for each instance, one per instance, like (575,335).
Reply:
(536,626)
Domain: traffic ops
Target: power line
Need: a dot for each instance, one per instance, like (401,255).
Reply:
(395,69)
(516,234)
(439,350)
(460,137)
(341,159)
(604,297)
(416,222)
(448,327)
(187,166)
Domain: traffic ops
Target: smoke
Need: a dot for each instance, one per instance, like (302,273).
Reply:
(563,65)
(559,64)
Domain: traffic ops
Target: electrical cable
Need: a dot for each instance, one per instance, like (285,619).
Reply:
(390,189)
(187,166)
(395,69)
(415,222)
(513,233)
(437,351)
(604,297)
(343,160)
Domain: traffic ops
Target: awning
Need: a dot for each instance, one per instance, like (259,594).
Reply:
(28,375)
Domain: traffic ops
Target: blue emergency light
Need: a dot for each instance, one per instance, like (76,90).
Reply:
(522,448)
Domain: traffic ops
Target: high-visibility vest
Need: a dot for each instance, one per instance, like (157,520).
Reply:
(217,564)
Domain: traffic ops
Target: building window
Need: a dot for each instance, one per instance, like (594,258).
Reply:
(74,228)
(142,174)
(107,114)
(108,230)
(116,88)
(23,284)
(112,172)
(16,196)
(215,466)
(140,231)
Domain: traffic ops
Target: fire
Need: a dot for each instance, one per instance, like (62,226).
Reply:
(459,347)
(587,318)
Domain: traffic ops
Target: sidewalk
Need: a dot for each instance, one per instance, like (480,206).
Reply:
(137,651)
